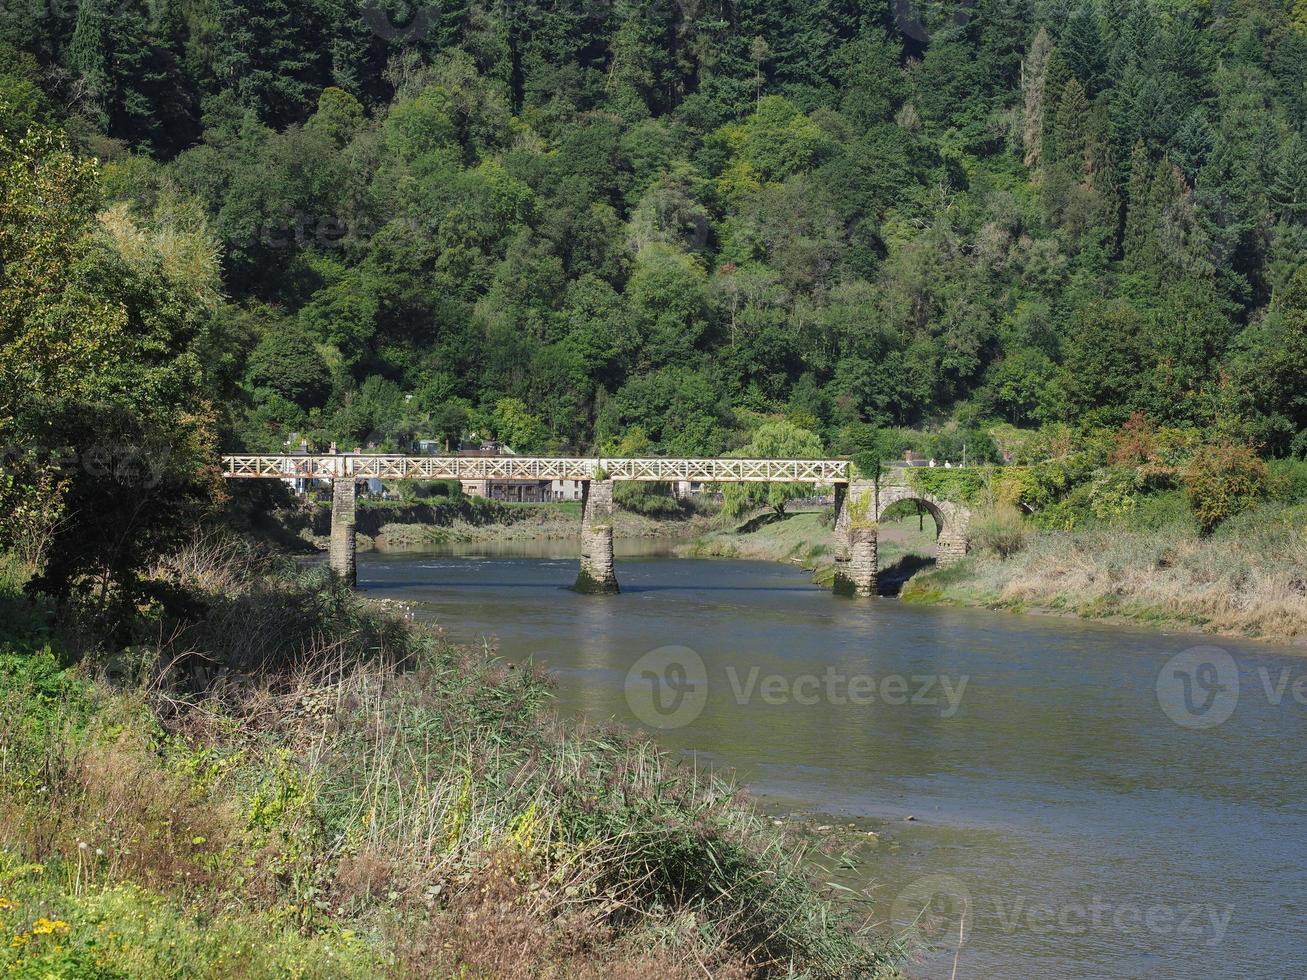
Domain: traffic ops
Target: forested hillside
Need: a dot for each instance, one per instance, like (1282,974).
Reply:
(590,222)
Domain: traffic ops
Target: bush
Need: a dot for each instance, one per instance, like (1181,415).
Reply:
(650,499)
(1156,511)
(1288,481)
(999,531)
(954,445)
(960,485)
(1222,480)
(424,489)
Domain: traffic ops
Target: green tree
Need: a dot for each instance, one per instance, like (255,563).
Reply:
(287,363)
(1104,366)
(515,426)
(772,440)
(102,352)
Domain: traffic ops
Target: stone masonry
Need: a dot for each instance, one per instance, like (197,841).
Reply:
(340,552)
(597,576)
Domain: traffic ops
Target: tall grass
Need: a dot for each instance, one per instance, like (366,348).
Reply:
(297,761)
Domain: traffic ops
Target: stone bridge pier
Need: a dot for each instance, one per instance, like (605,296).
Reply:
(340,550)
(859,508)
(597,576)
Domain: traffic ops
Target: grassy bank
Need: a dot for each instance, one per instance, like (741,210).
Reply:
(534,522)
(299,782)
(294,525)
(806,539)
(1249,578)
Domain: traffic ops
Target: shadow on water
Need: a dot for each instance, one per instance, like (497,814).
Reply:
(891,579)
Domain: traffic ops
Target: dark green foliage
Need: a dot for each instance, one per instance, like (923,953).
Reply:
(623,219)
(287,364)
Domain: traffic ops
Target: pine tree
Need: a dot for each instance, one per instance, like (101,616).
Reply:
(1003,27)
(88,58)
(274,55)
(1192,144)
(1289,190)
(1056,75)
(1104,180)
(1034,75)
(129,67)
(1071,130)
(1082,47)
(1138,220)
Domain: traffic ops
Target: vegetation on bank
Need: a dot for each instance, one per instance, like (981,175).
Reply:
(806,538)
(1247,578)
(1144,522)
(298,781)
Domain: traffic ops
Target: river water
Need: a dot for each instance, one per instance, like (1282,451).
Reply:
(1086,801)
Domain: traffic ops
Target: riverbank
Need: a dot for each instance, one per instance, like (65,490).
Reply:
(807,539)
(531,522)
(1248,580)
(405,526)
(302,780)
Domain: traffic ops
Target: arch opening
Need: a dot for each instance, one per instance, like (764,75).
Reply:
(909,528)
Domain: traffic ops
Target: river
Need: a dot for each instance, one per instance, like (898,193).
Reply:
(1085,801)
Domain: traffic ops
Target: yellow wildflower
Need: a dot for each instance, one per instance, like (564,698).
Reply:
(44,927)
(7,904)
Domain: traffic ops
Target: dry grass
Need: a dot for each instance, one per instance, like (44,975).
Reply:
(1249,579)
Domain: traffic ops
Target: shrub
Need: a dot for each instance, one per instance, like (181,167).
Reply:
(961,485)
(424,489)
(1222,480)
(1156,511)
(650,499)
(999,531)
(1288,481)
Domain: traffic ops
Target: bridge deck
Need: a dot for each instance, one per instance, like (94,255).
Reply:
(367,466)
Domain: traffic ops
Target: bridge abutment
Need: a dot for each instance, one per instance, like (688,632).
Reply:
(341,550)
(597,575)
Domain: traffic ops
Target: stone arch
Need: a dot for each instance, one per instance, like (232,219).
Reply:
(951,519)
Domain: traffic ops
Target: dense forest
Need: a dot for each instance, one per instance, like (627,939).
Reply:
(599,224)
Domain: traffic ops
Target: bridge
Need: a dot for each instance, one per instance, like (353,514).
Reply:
(859,504)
